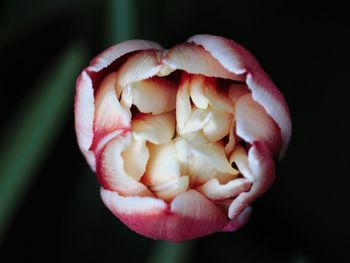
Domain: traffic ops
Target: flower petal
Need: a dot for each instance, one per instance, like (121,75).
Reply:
(145,215)
(232,56)
(183,103)
(238,60)
(216,191)
(240,158)
(162,165)
(212,153)
(135,158)
(265,92)
(141,65)
(195,216)
(205,92)
(106,58)
(110,116)
(84,100)
(84,116)
(238,221)
(218,126)
(237,90)
(263,171)
(254,124)
(230,145)
(189,216)
(110,168)
(154,95)
(168,190)
(195,59)
(156,129)
(202,160)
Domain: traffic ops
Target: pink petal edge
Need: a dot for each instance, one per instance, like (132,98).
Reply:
(109,55)
(263,171)
(84,116)
(84,99)
(190,215)
(253,123)
(239,221)
(238,60)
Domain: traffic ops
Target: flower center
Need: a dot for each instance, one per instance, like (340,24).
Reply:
(183,135)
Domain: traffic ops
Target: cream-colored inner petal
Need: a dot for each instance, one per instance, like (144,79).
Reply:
(182,133)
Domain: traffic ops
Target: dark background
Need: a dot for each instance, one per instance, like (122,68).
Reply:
(302,218)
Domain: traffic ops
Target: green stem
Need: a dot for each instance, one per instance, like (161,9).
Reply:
(121,20)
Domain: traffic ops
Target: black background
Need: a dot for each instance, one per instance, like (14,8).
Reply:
(302,218)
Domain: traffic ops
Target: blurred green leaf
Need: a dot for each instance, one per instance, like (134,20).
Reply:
(33,129)
(167,252)
(121,20)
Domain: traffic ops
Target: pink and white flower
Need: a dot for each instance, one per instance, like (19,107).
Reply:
(182,140)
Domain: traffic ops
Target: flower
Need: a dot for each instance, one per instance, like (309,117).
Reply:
(182,140)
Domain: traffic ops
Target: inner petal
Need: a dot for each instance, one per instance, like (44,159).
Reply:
(203,160)
(205,92)
(156,129)
(183,132)
(109,114)
(218,126)
(139,66)
(135,167)
(216,191)
(155,95)
(162,165)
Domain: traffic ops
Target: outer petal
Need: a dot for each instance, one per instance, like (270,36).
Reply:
(84,99)
(254,124)
(84,116)
(262,169)
(196,60)
(239,221)
(238,60)
(106,58)
(109,115)
(190,215)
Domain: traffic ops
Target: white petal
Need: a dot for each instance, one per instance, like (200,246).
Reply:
(218,125)
(170,189)
(135,158)
(197,120)
(254,124)
(139,66)
(231,139)
(107,57)
(183,103)
(205,92)
(111,169)
(195,59)
(213,154)
(156,129)
(240,158)
(155,95)
(262,169)
(162,165)
(216,191)
(110,116)
(84,116)
(203,160)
